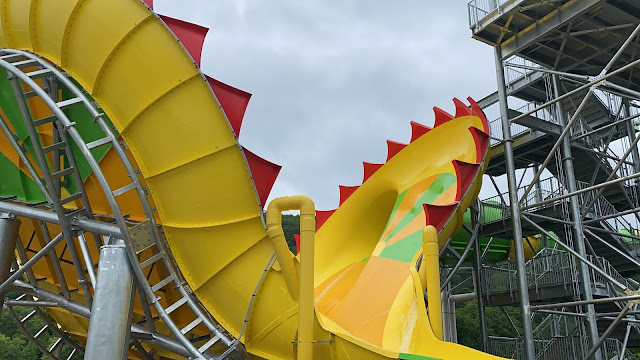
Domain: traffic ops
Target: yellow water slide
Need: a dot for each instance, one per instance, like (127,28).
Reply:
(373,257)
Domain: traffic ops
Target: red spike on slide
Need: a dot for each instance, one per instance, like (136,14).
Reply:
(369,169)
(461,108)
(264,174)
(465,174)
(418,130)
(481,140)
(346,191)
(438,215)
(149,3)
(441,116)
(189,34)
(322,216)
(393,148)
(477,111)
(234,102)
(297,237)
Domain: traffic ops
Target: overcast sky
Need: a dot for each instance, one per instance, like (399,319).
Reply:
(332,80)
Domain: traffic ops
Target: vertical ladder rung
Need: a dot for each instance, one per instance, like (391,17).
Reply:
(191,325)
(45,120)
(66,103)
(30,94)
(176,305)
(71,198)
(151,260)
(38,73)
(55,345)
(209,344)
(124,189)
(11,57)
(73,352)
(63,172)
(162,283)
(99,142)
(25,63)
(29,316)
(44,328)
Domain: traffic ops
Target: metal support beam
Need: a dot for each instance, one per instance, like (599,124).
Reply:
(110,325)
(484,336)
(525,305)
(585,280)
(595,349)
(83,224)
(9,227)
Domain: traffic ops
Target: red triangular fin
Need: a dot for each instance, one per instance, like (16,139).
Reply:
(461,108)
(233,101)
(346,191)
(393,148)
(477,111)
(189,34)
(264,174)
(149,3)
(481,140)
(369,169)
(322,216)
(441,116)
(438,215)
(297,238)
(465,174)
(418,130)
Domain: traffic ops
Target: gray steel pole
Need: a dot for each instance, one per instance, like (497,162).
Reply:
(110,324)
(481,313)
(8,237)
(585,280)
(523,293)
(596,346)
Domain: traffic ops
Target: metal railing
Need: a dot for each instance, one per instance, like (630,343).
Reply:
(547,268)
(495,125)
(496,208)
(480,9)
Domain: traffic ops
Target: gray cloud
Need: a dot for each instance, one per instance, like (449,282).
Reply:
(331,81)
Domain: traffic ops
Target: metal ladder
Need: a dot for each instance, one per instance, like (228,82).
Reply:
(143,239)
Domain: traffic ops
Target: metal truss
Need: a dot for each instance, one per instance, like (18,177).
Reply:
(83,232)
(580,115)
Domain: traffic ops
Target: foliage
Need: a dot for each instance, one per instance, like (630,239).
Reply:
(15,346)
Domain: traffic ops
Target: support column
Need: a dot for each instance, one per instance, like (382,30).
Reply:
(631,134)
(538,188)
(447,332)
(523,293)
(110,323)
(481,313)
(8,237)
(574,206)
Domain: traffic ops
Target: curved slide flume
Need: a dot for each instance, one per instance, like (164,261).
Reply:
(180,129)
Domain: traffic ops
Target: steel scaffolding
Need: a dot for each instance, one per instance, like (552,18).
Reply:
(567,141)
